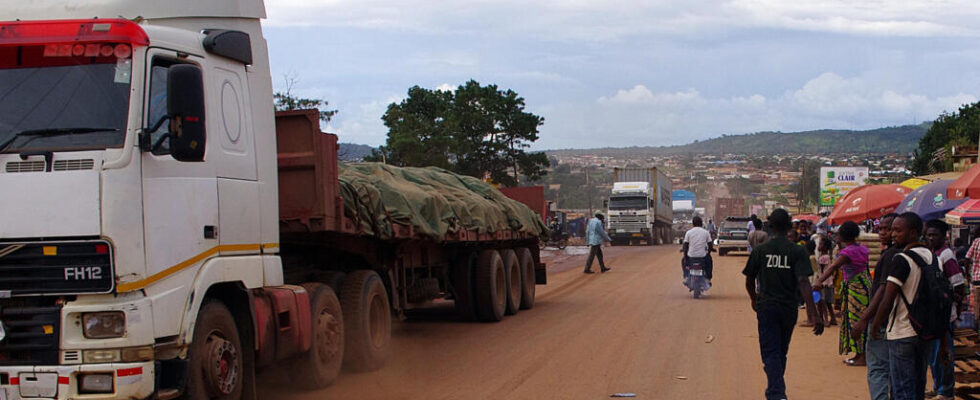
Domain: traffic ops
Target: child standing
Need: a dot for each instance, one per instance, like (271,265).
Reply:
(827,290)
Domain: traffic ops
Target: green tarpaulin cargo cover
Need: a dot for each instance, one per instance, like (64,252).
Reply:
(433,201)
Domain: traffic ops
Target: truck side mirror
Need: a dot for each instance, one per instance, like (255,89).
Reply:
(605,204)
(185,106)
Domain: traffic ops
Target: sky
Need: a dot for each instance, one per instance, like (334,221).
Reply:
(637,73)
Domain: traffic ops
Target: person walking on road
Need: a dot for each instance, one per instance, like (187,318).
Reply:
(595,234)
(783,270)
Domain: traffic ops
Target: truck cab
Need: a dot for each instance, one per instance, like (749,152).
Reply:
(630,213)
(136,187)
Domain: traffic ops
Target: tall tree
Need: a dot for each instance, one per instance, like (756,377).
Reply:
(960,128)
(481,131)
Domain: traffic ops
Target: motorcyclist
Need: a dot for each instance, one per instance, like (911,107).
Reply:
(697,246)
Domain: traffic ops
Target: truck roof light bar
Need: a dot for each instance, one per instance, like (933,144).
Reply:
(18,33)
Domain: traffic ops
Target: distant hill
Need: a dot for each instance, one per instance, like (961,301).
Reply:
(353,152)
(883,140)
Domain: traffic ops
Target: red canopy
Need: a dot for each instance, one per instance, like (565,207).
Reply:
(965,214)
(967,185)
(868,202)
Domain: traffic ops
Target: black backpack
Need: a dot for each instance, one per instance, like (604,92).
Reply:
(930,309)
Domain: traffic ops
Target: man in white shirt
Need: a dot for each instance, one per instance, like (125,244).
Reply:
(907,353)
(697,245)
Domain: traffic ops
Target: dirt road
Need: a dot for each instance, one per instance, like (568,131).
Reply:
(635,329)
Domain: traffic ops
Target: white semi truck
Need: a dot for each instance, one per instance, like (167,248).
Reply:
(143,249)
(640,207)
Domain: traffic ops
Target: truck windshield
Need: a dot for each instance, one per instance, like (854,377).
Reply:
(45,88)
(628,203)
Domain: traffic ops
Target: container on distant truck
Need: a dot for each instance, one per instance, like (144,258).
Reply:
(729,207)
(170,234)
(640,206)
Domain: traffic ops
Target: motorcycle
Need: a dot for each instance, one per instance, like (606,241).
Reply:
(696,281)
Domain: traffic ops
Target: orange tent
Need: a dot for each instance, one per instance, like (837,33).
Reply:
(868,202)
(967,185)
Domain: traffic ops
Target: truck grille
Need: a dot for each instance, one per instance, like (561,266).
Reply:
(32,328)
(56,268)
(627,222)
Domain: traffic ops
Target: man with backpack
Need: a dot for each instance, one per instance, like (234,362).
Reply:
(942,370)
(915,309)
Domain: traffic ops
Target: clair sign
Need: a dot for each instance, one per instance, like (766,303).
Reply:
(835,182)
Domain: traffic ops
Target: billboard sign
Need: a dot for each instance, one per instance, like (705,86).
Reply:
(835,182)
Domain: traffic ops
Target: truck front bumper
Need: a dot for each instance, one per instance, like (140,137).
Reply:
(129,381)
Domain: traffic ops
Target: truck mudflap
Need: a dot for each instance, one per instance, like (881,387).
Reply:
(541,274)
(110,381)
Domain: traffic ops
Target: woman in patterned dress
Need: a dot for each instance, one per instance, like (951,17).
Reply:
(852,260)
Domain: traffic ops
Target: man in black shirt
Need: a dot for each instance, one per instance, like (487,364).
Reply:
(782,268)
(877,349)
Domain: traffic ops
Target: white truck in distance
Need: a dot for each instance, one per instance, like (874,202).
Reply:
(143,250)
(640,207)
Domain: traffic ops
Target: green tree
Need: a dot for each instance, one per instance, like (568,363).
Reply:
(475,130)
(959,128)
(286,101)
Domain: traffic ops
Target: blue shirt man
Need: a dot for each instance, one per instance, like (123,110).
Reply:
(595,234)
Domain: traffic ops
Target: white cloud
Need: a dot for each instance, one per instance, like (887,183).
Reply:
(641,117)
(445,87)
(616,19)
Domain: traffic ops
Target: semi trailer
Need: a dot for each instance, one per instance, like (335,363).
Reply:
(165,235)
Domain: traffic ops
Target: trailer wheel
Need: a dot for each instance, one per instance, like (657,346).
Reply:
(215,368)
(367,321)
(491,286)
(463,286)
(319,367)
(512,272)
(528,282)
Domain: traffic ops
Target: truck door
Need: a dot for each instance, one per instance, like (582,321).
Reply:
(180,204)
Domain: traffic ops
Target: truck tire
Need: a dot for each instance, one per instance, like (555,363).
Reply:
(512,272)
(367,321)
(491,286)
(463,286)
(215,367)
(528,279)
(319,367)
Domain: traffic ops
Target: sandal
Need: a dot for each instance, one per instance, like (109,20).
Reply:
(851,363)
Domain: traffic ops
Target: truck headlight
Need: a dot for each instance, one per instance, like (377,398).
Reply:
(104,325)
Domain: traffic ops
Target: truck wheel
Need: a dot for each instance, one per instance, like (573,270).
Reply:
(463,286)
(367,321)
(319,367)
(528,282)
(215,369)
(512,272)
(491,286)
